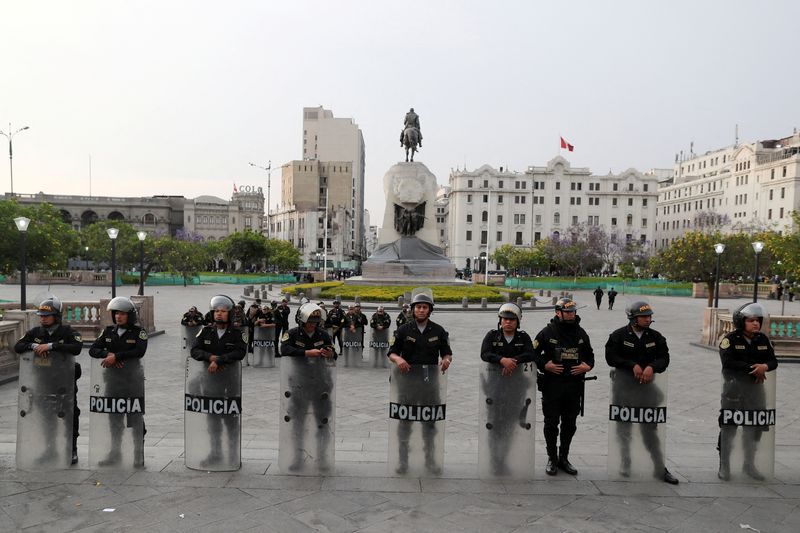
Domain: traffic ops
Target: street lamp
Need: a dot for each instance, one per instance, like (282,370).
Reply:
(22,225)
(268,170)
(10,137)
(719,248)
(142,236)
(319,261)
(758,246)
(112,234)
(86,257)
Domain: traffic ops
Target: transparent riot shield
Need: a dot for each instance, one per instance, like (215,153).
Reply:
(188,334)
(212,418)
(747,427)
(417,410)
(116,415)
(637,426)
(264,347)
(352,346)
(46,405)
(308,411)
(379,346)
(507,416)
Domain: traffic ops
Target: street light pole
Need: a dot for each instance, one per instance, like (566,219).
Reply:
(719,248)
(268,170)
(10,137)
(22,224)
(86,257)
(758,246)
(142,236)
(112,234)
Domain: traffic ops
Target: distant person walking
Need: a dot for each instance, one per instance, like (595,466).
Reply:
(612,295)
(598,296)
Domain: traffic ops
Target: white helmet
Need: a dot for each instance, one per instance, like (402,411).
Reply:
(311,312)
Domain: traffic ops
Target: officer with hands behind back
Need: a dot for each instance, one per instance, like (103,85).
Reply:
(563,350)
(220,343)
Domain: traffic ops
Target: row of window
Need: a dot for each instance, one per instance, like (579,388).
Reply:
(537,236)
(539,200)
(574,186)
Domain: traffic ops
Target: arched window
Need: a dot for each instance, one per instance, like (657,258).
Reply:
(556,235)
(115,215)
(150,219)
(629,219)
(65,216)
(88,218)
(484,216)
(556,218)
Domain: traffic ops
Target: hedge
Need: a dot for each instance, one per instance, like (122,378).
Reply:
(390,293)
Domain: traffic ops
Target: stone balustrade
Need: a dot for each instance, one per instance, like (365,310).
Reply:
(783,331)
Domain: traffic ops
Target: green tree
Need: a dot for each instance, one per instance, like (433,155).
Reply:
(282,254)
(247,247)
(186,258)
(50,242)
(96,238)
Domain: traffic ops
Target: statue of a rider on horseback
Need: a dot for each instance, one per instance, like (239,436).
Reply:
(411,137)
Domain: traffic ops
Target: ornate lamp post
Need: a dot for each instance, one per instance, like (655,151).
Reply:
(86,256)
(719,248)
(142,236)
(10,137)
(22,225)
(758,246)
(319,261)
(112,234)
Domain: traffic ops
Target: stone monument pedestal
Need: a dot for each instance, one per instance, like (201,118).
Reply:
(402,258)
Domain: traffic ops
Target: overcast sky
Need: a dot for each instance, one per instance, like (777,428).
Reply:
(174,97)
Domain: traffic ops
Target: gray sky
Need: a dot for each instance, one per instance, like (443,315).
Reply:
(174,97)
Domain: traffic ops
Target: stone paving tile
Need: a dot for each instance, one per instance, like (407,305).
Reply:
(374,484)
(321,500)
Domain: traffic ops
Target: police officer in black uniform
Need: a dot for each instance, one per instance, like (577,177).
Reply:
(335,321)
(508,347)
(50,338)
(641,351)
(404,316)
(192,317)
(310,340)
(117,344)
(420,342)
(747,355)
(282,313)
(598,296)
(219,345)
(380,319)
(612,296)
(563,351)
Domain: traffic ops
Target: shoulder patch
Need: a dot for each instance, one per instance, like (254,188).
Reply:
(143,335)
(725,344)
(244,335)
(535,343)
(285,337)
(78,338)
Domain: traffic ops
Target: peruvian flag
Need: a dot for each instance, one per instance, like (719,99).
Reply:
(234,183)
(565,144)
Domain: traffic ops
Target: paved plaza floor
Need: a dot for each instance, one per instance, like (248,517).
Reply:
(361,496)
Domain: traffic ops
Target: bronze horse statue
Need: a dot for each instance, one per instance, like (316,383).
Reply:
(410,141)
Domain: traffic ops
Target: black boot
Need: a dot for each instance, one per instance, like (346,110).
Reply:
(566,466)
(74,452)
(669,478)
(552,466)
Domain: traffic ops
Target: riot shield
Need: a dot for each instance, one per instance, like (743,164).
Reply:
(188,334)
(212,419)
(637,426)
(352,346)
(46,405)
(116,415)
(308,412)
(263,347)
(747,427)
(417,410)
(379,346)
(507,417)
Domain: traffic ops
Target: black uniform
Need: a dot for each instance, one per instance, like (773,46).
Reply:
(335,321)
(294,343)
(281,314)
(230,349)
(129,348)
(421,348)
(598,296)
(192,318)
(65,340)
(612,295)
(569,345)
(402,318)
(509,402)
(624,350)
(380,319)
(740,392)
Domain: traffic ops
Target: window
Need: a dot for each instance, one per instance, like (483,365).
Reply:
(614,187)
(770,193)
(769,214)
(629,220)
(499,219)
(469,198)
(574,220)
(538,219)
(558,185)
(469,217)
(500,184)
(483,237)
(485,184)
(644,187)
(781,213)
(484,216)
(499,236)
(486,198)
(571,200)
(499,198)
(613,221)
(784,171)
(469,184)
(469,235)
(644,222)
(572,186)
(522,200)
(518,238)
(644,202)
(537,236)
(558,200)
(783,193)
(556,218)
(630,201)
(613,202)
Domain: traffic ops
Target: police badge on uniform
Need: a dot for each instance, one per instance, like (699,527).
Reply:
(143,335)
(244,336)
(725,344)
(285,337)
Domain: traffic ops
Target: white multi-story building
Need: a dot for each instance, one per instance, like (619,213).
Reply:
(743,187)
(488,208)
(328,138)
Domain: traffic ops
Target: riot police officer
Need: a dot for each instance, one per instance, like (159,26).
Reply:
(404,316)
(192,317)
(612,297)
(747,355)
(421,342)
(335,321)
(219,345)
(119,343)
(282,313)
(310,340)
(49,338)
(563,350)
(598,296)
(642,351)
(380,319)
(507,346)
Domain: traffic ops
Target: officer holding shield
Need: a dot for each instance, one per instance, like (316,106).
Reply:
(52,337)
(380,319)
(219,345)
(747,355)
(335,321)
(420,342)
(192,317)
(563,350)
(508,347)
(642,351)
